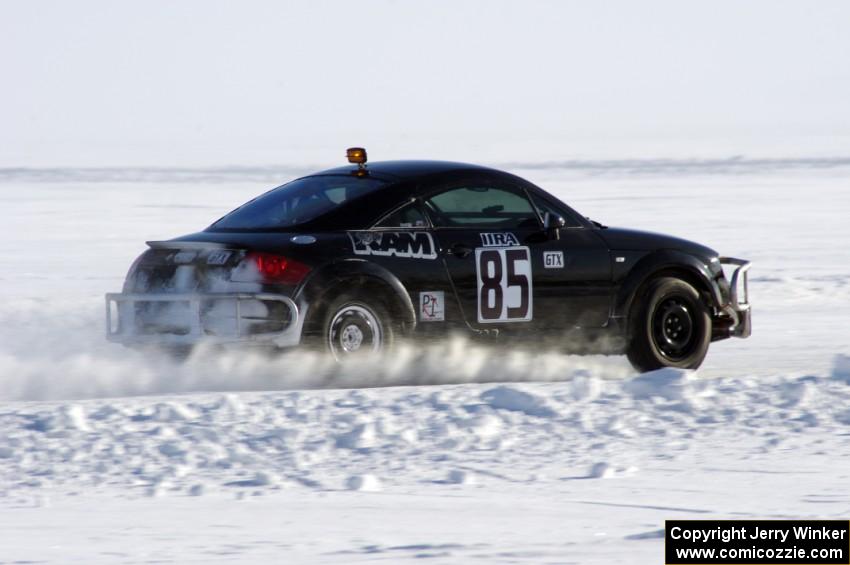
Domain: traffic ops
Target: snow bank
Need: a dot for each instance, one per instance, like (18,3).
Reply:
(384,439)
(512,398)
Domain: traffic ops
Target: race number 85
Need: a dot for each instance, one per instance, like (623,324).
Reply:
(504,284)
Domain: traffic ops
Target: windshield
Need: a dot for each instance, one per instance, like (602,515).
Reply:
(298,202)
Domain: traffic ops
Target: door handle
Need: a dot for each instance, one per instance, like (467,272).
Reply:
(460,250)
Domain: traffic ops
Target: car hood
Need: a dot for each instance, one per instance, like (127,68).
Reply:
(636,240)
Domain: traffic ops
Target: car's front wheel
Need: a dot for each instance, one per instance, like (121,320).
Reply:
(670,326)
(356,325)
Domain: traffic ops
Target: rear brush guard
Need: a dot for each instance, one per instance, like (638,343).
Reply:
(123,316)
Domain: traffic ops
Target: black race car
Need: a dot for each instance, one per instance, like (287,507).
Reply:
(355,258)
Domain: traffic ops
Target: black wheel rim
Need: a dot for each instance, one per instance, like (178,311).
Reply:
(673,327)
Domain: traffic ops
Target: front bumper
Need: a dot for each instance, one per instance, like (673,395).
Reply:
(737,309)
(137,319)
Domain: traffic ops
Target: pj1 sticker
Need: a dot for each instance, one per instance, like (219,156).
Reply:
(504,284)
(432,306)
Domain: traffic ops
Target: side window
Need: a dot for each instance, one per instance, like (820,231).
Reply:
(408,217)
(544,206)
(482,207)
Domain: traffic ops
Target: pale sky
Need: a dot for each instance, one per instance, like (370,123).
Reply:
(206,83)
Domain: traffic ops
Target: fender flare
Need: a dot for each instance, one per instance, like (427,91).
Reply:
(328,277)
(656,263)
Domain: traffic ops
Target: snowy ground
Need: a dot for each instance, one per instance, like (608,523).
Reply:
(107,455)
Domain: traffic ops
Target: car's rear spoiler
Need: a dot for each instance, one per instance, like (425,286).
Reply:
(188,245)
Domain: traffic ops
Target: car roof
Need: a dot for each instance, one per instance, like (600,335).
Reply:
(407,169)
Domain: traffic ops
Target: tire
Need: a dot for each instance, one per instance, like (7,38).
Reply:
(669,326)
(355,325)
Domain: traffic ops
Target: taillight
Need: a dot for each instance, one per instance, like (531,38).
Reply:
(271,269)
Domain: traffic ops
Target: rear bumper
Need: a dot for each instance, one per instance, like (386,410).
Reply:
(737,313)
(206,317)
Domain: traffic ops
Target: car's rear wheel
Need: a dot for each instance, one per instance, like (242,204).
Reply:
(356,325)
(670,326)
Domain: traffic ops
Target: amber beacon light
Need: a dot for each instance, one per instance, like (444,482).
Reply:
(356,155)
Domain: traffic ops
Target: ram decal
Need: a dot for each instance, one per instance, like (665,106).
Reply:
(415,245)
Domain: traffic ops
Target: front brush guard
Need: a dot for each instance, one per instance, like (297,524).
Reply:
(738,308)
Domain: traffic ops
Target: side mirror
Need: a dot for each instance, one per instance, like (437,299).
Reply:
(552,225)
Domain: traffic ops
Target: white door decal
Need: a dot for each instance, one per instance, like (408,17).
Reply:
(504,284)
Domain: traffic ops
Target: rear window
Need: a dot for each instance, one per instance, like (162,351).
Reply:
(298,202)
